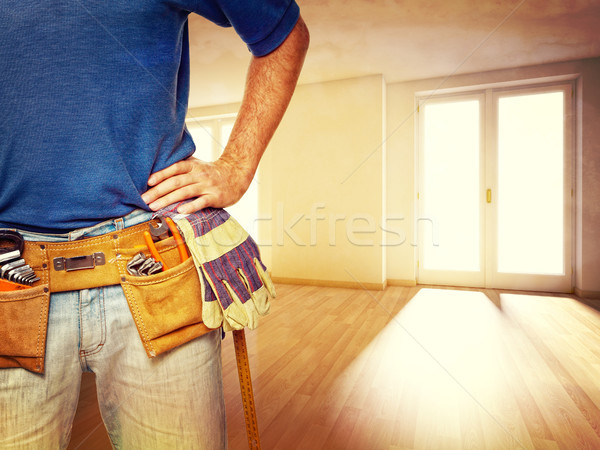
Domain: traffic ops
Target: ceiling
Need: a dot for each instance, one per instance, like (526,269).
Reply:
(406,40)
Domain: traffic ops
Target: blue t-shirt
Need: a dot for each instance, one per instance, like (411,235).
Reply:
(93,97)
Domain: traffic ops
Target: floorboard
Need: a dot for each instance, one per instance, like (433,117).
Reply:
(411,368)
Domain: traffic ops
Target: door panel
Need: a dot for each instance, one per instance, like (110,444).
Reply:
(450,218)
(532,201)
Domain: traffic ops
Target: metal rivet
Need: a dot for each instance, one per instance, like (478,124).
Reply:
(122,278)
(115,236)
(44,265)
(46,289)
(42,246)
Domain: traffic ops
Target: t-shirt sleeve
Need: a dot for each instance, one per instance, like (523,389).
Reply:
(262,24)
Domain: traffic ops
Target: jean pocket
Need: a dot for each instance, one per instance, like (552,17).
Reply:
(23,328)
(166,307)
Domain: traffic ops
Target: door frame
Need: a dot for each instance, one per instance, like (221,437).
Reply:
(488,212)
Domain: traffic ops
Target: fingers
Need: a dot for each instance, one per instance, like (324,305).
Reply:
(180,167)
(195,205)
(172,184)
(169,192)
(208,184)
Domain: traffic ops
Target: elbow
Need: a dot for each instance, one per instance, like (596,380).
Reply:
(303,36)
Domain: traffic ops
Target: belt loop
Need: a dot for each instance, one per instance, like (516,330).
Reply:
(119,224)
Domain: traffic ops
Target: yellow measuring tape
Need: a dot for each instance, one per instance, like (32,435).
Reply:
(243,364)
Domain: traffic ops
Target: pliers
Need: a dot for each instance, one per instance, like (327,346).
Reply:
(159,231)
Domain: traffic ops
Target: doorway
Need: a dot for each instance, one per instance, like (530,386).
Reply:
(495,188)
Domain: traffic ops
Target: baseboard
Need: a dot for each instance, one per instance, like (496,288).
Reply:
(345,284)
(330,283)
(404,283)
(593,295)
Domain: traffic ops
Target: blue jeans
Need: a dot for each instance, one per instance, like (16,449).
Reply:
(172,401)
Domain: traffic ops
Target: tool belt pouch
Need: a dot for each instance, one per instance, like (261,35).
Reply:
(23,326)
(167,306)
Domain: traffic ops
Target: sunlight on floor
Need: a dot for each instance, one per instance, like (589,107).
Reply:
(452,366)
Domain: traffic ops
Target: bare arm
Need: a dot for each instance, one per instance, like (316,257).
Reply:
(270,84)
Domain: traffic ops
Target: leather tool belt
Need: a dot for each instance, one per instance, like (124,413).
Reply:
(166,307)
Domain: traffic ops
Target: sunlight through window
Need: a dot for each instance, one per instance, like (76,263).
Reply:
(451,185)
(530,184)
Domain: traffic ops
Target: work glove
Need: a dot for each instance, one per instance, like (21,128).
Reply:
(235,283)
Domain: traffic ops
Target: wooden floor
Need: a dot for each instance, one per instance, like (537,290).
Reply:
(412,368)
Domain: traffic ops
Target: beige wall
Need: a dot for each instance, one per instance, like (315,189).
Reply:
(331,193)
(327,184)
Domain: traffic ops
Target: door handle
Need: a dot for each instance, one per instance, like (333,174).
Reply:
(489,196)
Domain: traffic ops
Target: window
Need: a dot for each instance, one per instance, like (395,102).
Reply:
(210,135)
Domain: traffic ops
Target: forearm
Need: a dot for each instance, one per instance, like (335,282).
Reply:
(270,84)
(269,87)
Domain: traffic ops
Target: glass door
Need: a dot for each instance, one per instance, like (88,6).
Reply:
(530,183)
(495,189)
(451,209)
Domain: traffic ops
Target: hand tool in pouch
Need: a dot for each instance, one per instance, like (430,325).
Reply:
(154,251)
(140,264)
(13,267)
(183,253)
